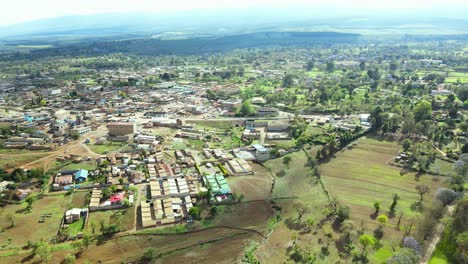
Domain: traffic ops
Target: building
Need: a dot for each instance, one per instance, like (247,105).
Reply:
(75,214)
(231,104)
(21,194)
(80,130)
(81,176)
(261,153)
(63,180)
(144,139)
(267,111)
(121,128)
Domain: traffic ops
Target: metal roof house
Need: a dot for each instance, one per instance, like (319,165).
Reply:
(81,175)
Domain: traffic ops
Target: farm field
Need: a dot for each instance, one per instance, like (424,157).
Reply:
(295,189)
(253,187)
(360,176)
(26,222)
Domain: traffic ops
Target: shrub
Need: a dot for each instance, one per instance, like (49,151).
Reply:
(411,243)
(446,196)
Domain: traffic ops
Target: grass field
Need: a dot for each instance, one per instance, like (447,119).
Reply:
(27,226)
(78,199)
(124,218)
(13,161)
(107,148)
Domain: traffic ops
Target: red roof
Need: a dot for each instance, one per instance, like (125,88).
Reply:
(116,198)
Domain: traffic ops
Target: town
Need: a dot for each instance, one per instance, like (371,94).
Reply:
(296,147)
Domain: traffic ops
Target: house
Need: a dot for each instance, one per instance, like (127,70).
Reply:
(267,111)
(21,194)
(261,153)
(63,179)
(81,176)
(121,128)
(116,198)
(74,214)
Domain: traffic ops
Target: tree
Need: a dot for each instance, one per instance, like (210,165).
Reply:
(377,207)
(343,213)
(423,111)
(69,259)
(126,203)
(422,189)
(286,160)
(382,219)
(404,256)
(411,243)
(309,65)
(42,250)
(30,200)
(393,205)
(406,144)
(213,210)
(12,219)
(195,212)
(366,241)
(446,196)
(330,66)
(246,109)
(288,80)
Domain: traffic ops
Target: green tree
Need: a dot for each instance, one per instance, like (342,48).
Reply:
(382,219)
(422,189)
(246,109)
(42,251)
(377,207)
(406,144)
(195,212)
(69,259)
(287,160)
(366,241)
(288,80)
(330,66)
(423,111)
(29,201)
(404,256)
(309,65)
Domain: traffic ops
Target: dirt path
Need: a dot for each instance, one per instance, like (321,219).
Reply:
(439,230)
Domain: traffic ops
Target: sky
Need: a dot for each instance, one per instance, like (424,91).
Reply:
(17,11)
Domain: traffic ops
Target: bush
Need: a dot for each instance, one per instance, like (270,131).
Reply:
(406,256)
(411,243)
(446,196)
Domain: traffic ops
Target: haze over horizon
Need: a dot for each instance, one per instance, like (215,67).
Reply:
(25,10)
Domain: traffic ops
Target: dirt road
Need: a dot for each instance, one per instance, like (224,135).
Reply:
(439,230)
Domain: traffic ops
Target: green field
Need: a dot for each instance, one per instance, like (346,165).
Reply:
(107,148)
(361,176)
(27,226)
(123,218)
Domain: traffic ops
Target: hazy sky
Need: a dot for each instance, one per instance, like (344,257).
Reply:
(15,11)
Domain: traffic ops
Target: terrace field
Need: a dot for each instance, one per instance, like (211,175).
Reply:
(359,176)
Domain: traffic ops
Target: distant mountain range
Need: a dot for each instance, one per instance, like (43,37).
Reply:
(221,23)
(195,32)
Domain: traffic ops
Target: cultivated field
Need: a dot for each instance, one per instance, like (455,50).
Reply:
(360,176)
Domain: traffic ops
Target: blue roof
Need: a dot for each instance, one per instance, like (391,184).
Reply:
(259,147)
(81,174)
